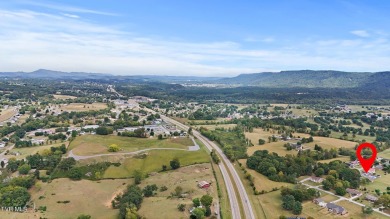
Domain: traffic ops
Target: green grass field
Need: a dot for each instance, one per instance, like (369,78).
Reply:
(86,197)
(385,154)
(98,144)
(380,183)
(154,161)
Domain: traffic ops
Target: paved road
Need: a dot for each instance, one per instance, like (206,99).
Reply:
(224,166)
(340,197)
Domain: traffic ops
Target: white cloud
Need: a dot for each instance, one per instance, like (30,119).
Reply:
(360,33)
(71,15)
(32,40)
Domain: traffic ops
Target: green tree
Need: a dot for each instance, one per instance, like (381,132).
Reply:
(149,190)
(319,172)
(113,148)
(206,200)
(367,210)
(297,208)
(14,196)
(75,173)
(340,191)
(138,176)
(199,213)
(67,163)
(84,216)
(175,163)
(181,207)
(24,169)
(196,202)
(261,141)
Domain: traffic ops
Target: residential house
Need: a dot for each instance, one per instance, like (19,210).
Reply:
(320,202)
(371,198)
(296,146)
(204,184)
(91,127)
(336,209)
(354,192)
(2,144)
(316,179)
(371,171)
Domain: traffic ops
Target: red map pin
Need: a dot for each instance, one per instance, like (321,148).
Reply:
(366,163)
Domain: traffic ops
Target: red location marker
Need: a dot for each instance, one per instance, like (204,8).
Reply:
(366,163)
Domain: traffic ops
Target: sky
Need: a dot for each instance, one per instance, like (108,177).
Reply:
(194,37)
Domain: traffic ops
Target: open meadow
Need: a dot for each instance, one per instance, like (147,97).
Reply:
(85,197)
(98,144)
(79,107)
(6,114)
(63,97)
(153,162)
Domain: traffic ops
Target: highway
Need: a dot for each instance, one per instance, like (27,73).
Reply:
(226,166)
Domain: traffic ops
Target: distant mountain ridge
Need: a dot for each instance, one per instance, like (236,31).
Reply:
(302,78)
(283,79)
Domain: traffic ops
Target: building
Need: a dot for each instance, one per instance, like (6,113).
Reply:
(129,129)
(354,192)
(320,202)
(371,171)
(336,209)
(316,179)
(91,127)
(2,144)
(371,198)
(296,146)
(204,184)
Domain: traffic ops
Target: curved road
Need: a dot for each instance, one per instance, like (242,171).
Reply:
(225,166)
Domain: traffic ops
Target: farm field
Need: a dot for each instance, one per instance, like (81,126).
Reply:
(63,97)
(85,197)
(79,107)
(329,143)
(160,206)
(97,144)
(213,127)
(154,160)
(6,114)
(337,135)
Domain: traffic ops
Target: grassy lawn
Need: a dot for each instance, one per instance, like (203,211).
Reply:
(97,144)
(24,152)
(86,197)
(79,107)
(213,127)
(7,114)
(337,135)
(355,211)
(154,161)
(328,143)
(160,206)
(341,158)
(380,183)
(276,147)
(63,97)
(385,154)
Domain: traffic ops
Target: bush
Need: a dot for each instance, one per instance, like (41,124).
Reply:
(24,169)
(75,174)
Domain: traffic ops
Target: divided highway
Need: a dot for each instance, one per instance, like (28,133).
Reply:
(226,166)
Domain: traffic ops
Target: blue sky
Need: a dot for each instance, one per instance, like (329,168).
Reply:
(202,37)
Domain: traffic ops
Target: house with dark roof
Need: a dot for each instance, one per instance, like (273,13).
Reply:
(354,192)
(371,198)
(336,209)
